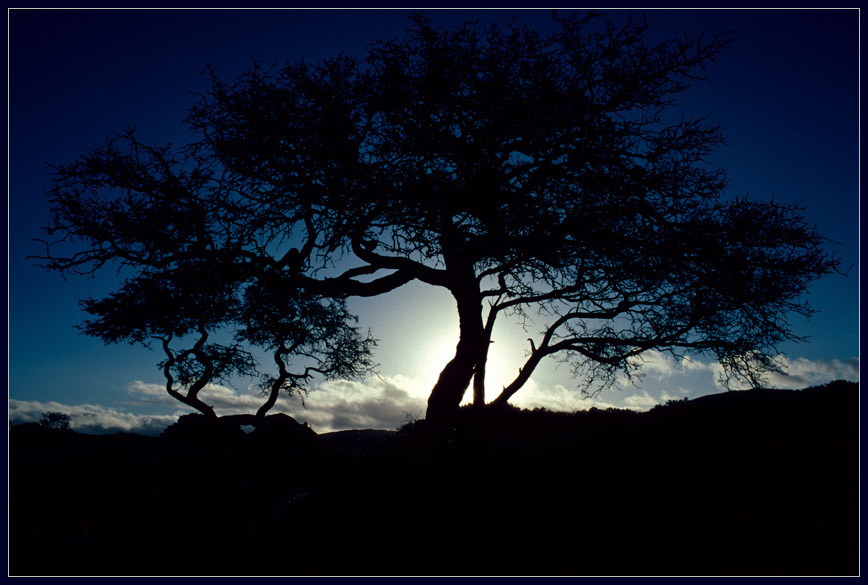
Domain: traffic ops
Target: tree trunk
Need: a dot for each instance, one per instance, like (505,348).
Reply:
(455,378)
(479,375)
(479,382)
(277,384)
(194,402)
(447,393)
(192,398)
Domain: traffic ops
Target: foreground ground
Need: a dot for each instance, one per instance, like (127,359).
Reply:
(745,483)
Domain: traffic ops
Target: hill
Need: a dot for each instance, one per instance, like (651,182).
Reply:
(763,482)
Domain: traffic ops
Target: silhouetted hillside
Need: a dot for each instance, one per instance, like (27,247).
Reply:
(757,482)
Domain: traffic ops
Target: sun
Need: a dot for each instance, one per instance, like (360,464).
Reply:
(429,340)
(501,368)
(433,357)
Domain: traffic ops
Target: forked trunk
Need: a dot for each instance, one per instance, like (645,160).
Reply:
(446,396)
(449,390)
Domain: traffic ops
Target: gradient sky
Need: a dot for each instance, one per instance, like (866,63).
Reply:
(786,94)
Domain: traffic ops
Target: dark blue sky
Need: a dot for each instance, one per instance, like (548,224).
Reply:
(786,94)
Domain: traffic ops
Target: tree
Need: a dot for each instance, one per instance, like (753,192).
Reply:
(177,230)
(539,175)
(180,304)
(55,420)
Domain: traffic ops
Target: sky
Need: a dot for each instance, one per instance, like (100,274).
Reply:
(786,94)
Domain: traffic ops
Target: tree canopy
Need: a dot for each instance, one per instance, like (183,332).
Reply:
(55,420)
(543,175)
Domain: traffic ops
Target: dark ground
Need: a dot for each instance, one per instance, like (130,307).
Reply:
(744,483)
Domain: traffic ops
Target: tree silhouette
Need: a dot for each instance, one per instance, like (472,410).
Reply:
(55,420)
(178,305)
(539,175)
(179,235)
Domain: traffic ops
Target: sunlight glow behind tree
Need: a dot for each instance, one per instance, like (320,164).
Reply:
(535,176)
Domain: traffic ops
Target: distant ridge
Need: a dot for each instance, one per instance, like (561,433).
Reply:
(756,482)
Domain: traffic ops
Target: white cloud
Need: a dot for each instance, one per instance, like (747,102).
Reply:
(658,365)
(223,399)
(662,378)
(802,373)
(667,378)
(90,418)
(643,401)
(664,367)
(558,398)
(378,403)
(388,402)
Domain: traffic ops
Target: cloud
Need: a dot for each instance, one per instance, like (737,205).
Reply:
(377,403)
(223,399)
(128,417)
(558,398)
(643,401)
(802,373)
(90,418)
(663,377)
(667,378)
(388,402)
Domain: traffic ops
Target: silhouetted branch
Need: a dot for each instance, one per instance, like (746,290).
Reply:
(549,164)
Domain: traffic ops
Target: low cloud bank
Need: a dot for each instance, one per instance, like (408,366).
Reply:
(91,418)
(803,373)
(388,402)
(378,403)
(666,378)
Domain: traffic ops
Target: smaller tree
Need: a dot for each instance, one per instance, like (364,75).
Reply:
(181,309)
(187,237)
(319,332)
(55,420)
